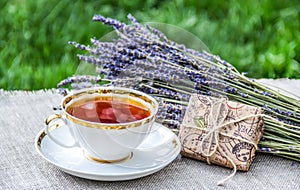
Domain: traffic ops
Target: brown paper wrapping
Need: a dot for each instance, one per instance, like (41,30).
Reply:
(235,141)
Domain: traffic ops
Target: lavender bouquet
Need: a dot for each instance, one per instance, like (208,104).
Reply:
(145,59)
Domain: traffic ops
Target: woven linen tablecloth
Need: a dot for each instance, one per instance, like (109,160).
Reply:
(22,116)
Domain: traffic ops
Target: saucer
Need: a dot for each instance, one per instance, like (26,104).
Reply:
(158,150)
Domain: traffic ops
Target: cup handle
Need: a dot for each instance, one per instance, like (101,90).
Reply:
(49,127)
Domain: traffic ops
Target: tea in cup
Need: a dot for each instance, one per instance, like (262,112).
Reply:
(108,123)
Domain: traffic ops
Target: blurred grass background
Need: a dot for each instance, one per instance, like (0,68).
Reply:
(260,37)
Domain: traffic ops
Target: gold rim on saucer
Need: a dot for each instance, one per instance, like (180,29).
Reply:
(92,158)
(135,167)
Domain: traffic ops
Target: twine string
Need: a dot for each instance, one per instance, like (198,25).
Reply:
(213,134)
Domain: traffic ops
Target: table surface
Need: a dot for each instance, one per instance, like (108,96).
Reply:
(22,116)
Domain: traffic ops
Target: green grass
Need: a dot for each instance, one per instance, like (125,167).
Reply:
(260,37)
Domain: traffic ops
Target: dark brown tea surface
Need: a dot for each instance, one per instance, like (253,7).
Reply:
(107,111)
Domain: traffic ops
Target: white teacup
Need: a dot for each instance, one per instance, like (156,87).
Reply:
(105,142)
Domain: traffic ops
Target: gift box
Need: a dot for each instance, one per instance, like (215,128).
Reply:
(221,132)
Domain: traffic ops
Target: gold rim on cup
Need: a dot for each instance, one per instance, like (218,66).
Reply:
(110,90)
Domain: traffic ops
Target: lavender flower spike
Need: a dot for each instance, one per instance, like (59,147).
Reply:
(132,19)
(78,79)
(109,21)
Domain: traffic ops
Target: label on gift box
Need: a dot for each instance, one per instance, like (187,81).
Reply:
(221,132)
